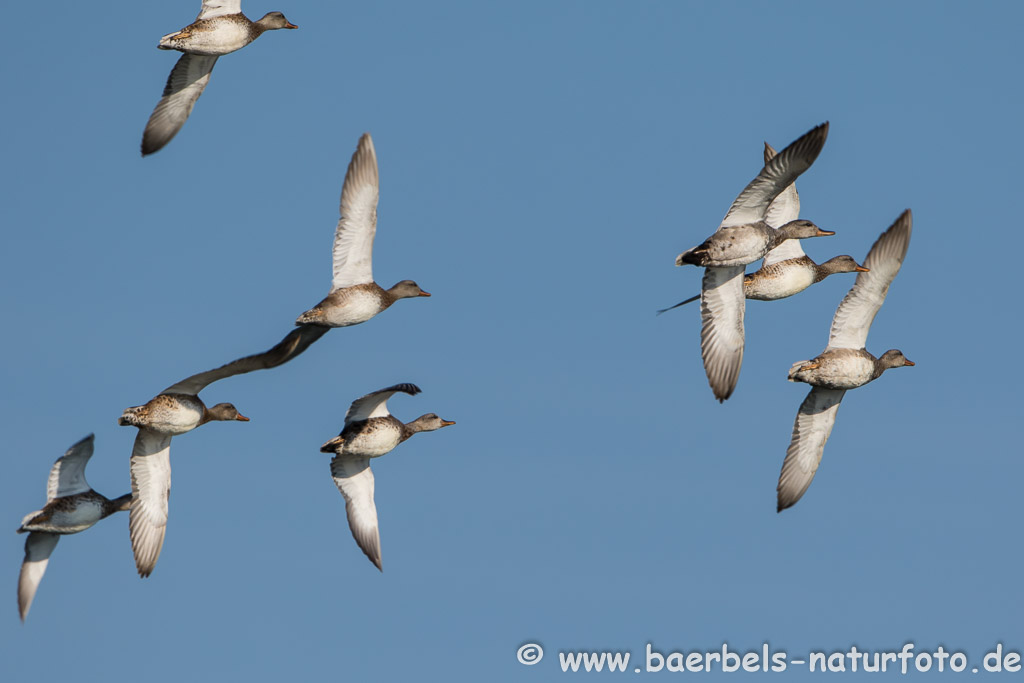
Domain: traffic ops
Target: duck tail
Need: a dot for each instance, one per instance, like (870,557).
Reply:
(130,417)
(333,445)
(696,256)
(311,317)
(795,368)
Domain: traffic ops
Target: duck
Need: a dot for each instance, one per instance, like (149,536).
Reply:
(174,411)
(786,270)
(844,364)
(220,29)
(355,297)
(370,431)
(72,506)
(743,237)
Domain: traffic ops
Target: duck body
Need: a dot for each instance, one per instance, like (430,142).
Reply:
(735,245)
(73,514)
(213,37)
(348,306)
(369,438)
(169,414)
(781,280)
(838,369)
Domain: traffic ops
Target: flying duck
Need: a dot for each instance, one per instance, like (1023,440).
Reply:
(219,29)
(844,364)
(370,431)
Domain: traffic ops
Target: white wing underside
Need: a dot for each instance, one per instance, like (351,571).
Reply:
(353,238)
(810,432)
(354,478)
(722,305)
(375,404)
(151,489)
(218,8)
(782,210)
(186,83)
(38,547)
(778,173)
(853,318)
(67,476)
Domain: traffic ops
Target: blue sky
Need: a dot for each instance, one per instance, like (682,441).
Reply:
(541,164)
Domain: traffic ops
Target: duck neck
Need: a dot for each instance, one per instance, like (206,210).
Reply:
(117,505)
(822,271)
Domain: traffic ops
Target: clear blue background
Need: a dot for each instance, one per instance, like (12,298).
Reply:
(542,163)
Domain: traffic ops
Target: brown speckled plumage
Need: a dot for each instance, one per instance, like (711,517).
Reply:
(71,506)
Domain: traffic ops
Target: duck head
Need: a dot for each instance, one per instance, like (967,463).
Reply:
(274,20)
(894,358)
(428,423)
(406,289)
(802,229)
(224,412)
(843,264)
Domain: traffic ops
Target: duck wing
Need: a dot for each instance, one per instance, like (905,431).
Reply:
(67,476)
(810,432)
(857,311)
(722,305)
(782,210)
(38,547)
(151,489)
(353,238)
(294,343)
(354,478)
(376,404)
(218,8)
(186,83)
(778,174)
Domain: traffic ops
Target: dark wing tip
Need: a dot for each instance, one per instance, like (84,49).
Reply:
(406,388)
(149,146)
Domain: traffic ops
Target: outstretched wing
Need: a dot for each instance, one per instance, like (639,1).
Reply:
(186,83)
(721,334)
(782,210)
(810,432)
(857,311)
(67,476)
(354,478)
(218,8)
(151,489)
(375,404)
(38,547)
(353,238)
(777,174)
(294,343)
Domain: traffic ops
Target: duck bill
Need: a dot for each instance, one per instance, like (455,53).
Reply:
(288,24)
(862,269)
(423,294)
(824,233)
(242,418)
(447,423)
(909,362)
